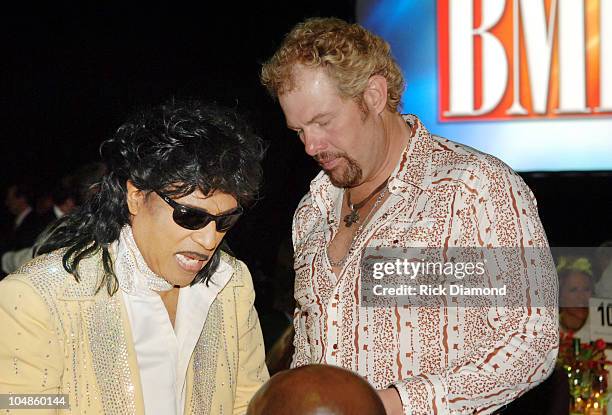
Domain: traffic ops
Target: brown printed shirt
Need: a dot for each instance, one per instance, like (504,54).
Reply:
(442,360)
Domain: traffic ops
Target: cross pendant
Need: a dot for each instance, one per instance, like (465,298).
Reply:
(351,218)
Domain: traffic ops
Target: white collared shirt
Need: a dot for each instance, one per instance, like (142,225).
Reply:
(21,217)
(57,212)
(163,352)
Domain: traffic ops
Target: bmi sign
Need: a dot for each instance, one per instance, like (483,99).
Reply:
(517,59)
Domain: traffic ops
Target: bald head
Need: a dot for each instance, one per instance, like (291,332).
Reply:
(316,390)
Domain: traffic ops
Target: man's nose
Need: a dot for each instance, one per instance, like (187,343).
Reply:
(207,236)
(313,143)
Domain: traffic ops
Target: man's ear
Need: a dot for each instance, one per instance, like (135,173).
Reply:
(135,198)
(375,94)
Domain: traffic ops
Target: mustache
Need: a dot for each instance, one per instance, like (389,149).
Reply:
(324,157)
(195,255)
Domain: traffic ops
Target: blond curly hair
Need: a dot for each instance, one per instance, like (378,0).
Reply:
(350,54)
(569,264)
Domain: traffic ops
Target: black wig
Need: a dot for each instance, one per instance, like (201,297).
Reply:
(175,148)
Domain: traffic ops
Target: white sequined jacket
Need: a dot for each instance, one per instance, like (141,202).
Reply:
(60,336)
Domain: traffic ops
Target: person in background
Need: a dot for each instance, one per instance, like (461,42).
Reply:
(20,201)
(132,305)
(44,198)
(575,289)
(603,257)
(70,193)
(20,198)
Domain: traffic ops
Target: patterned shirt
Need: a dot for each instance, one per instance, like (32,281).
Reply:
(442,360)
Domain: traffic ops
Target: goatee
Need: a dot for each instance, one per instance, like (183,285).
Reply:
(341,176)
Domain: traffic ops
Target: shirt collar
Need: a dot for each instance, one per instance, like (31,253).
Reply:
(136,278)
(21,217)
(134,275)
(57,212)
(412,169)
(414,165)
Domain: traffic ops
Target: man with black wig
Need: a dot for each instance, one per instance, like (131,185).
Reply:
(132,306)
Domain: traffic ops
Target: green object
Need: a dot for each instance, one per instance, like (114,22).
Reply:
(576,346)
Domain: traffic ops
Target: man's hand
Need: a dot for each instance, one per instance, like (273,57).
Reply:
(391,401)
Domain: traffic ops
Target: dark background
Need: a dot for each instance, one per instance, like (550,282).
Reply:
(71,75)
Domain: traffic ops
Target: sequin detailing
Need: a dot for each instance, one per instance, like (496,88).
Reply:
(89,351)
(132,271)
(110,355)
(47,276)
(205,357)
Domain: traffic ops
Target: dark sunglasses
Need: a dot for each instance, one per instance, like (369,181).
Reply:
(194,218)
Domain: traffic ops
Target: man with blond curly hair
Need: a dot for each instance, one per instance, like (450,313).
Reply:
(387,183)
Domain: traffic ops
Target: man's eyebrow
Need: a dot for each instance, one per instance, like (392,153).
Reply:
(313,119)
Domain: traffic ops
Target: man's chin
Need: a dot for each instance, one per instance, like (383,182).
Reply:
(340,175)
(339,180)
(335,176)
